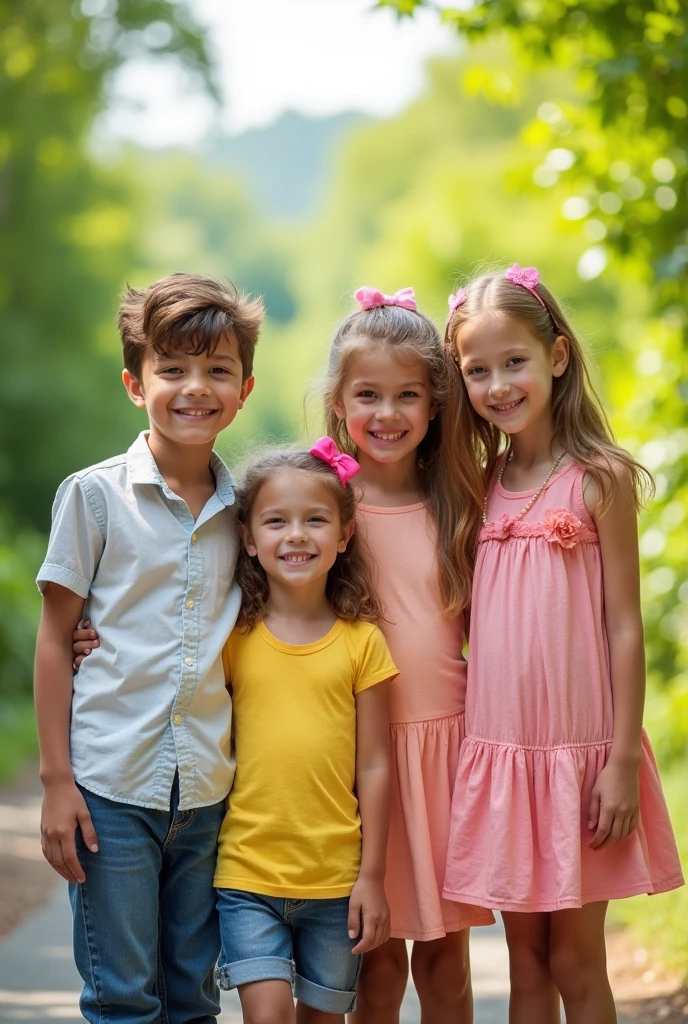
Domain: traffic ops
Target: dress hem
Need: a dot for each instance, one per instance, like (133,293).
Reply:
(545,907)
(413,935)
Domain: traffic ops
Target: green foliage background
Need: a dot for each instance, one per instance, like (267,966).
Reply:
(556,137)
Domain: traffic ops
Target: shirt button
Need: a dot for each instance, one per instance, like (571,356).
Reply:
(189,604)
(188,661)
(177,719)
(193,538)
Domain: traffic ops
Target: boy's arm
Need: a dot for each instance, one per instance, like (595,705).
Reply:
(368,910)
(64,808)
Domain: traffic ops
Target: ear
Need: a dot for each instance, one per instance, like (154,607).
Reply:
(559,354)
(248,539)
(345,536)
(134,389)
(339,410)
(246,389)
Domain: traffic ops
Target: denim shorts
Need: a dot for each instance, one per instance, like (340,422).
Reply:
(304,942)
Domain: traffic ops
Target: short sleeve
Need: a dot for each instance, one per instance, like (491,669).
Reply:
(375,662)
(76,540)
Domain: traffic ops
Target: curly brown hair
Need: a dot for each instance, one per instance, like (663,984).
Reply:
(450,482)
(350,589)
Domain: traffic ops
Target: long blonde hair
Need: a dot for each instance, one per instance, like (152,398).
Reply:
(580,423)
(350,589)
(450,480)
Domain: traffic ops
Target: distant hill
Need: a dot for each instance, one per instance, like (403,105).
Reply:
(286,164)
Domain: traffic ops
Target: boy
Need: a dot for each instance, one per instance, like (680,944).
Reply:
(135,750)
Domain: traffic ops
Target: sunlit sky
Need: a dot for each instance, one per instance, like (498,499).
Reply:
(319,57)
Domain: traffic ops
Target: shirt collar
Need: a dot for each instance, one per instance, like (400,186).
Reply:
(143,469)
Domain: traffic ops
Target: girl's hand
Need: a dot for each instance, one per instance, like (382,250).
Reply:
(614,805)
(84,640)
(368,914)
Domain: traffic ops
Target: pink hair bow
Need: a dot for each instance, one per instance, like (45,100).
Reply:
(526,277)
(457,299)
(344,466)
(371,297)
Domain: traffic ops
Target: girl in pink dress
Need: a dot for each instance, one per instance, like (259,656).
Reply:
(558,806)
(385,395)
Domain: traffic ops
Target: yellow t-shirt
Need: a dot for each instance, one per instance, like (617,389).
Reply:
(292,827)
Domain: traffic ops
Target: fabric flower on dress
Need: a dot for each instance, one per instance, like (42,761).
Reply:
(499,529)
(562,527)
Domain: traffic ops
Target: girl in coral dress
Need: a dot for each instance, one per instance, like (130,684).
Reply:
(557,806)
(385,395)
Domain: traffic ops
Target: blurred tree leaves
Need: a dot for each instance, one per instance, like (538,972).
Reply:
(66,230)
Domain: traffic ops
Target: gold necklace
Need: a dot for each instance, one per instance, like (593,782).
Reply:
(537,494)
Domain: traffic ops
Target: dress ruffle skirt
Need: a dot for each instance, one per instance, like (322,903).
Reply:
(505,856)
(424,759)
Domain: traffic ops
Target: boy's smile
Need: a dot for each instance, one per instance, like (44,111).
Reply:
(190,398)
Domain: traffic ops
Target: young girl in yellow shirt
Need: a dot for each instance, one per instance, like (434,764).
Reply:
(302,849)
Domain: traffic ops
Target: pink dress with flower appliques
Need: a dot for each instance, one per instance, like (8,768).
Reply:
(539,721)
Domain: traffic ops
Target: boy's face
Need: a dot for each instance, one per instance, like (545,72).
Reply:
(191,398)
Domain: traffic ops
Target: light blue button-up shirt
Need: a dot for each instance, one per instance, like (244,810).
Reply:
(159,587)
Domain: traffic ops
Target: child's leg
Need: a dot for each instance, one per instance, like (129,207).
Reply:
(326,971)
(308,1015)
(382,984)
(116,913)
(257,955)
(267,1002)
(578,961)
(534,996)
(189,925)
(442,975)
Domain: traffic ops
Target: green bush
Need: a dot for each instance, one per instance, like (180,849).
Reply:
(20,556)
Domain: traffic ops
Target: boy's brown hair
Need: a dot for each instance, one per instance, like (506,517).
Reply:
(189,311)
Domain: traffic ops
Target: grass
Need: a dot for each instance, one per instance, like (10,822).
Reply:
(18,740)
(660,922)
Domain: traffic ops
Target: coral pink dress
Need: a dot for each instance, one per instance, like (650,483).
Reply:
(539,721)
(427,716)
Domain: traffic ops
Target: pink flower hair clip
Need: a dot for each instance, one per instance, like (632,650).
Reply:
(369,298)
(457,299)
(344,466)
(525,277)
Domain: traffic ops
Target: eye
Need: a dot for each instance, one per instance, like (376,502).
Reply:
(317,519)
(172,370)
(273,521)
(409,394)
(515,361)
(218,370)
(474,371)
(367,393)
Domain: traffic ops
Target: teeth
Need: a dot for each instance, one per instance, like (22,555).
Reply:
(195,412)
(505,408)
(296,558)
(387,437)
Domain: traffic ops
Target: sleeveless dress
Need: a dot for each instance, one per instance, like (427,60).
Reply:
(427,720)
(539,720)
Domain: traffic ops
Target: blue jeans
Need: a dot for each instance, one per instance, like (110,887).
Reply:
(146,933)
(303,942)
